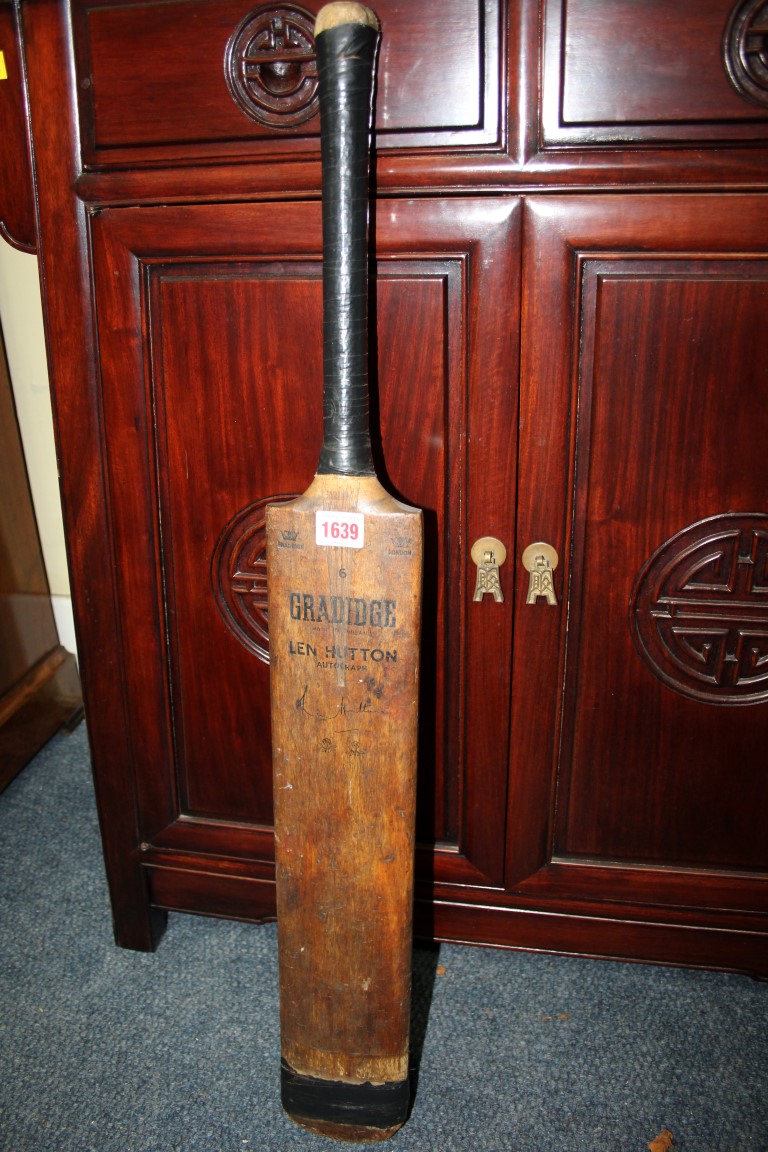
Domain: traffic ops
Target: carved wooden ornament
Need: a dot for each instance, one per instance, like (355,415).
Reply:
(699,610)
(745,50)
(270,66)
(239,575)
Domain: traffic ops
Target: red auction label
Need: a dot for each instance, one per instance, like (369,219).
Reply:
(340,529)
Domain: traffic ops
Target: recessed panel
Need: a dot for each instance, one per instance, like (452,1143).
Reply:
(665,716)
(238,393)
(616,70)
(204,74)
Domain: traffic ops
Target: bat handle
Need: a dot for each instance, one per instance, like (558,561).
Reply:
(347,39)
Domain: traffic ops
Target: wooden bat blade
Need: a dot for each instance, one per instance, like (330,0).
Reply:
(345,569)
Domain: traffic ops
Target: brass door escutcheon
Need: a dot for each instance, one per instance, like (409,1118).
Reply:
(540,560)
(488,554)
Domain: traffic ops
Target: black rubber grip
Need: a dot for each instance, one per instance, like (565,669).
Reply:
(381,1106)
(345,63)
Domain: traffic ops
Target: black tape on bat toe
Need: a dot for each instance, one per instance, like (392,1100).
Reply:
(345,60)
(367,1105)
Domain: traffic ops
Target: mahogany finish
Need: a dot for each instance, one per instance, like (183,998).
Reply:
(168,97)
(654,72)
(571,289)
(17,205)
(651,394)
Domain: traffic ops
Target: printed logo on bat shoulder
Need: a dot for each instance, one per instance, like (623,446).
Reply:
(340,529)
(400,545)
(289,538)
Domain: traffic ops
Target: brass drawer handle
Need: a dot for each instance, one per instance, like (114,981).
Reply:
(488,554)
(540,560)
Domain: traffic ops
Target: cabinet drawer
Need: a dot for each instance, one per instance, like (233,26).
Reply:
(196,79)
(648,70)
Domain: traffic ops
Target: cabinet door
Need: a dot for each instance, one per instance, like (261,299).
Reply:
(209,329)
(640,716)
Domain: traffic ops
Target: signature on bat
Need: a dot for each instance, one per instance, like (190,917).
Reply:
(345,707)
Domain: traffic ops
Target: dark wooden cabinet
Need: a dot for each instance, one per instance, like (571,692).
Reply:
(210,347)
(570,349)
(644,373)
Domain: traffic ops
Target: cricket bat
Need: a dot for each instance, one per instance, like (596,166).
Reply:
(344,570)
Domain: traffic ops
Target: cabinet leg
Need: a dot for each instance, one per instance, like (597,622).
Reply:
(140,933)
(137,924)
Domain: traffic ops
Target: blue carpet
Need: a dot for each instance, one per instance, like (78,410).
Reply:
(103,1050)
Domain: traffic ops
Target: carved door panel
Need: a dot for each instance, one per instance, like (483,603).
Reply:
(640,716)
(209,323)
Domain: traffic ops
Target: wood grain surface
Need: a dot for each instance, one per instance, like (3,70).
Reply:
(344,676)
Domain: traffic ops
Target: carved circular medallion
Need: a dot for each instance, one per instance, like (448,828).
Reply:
(270,66)
(699,610)
(239,576)
(745,50)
